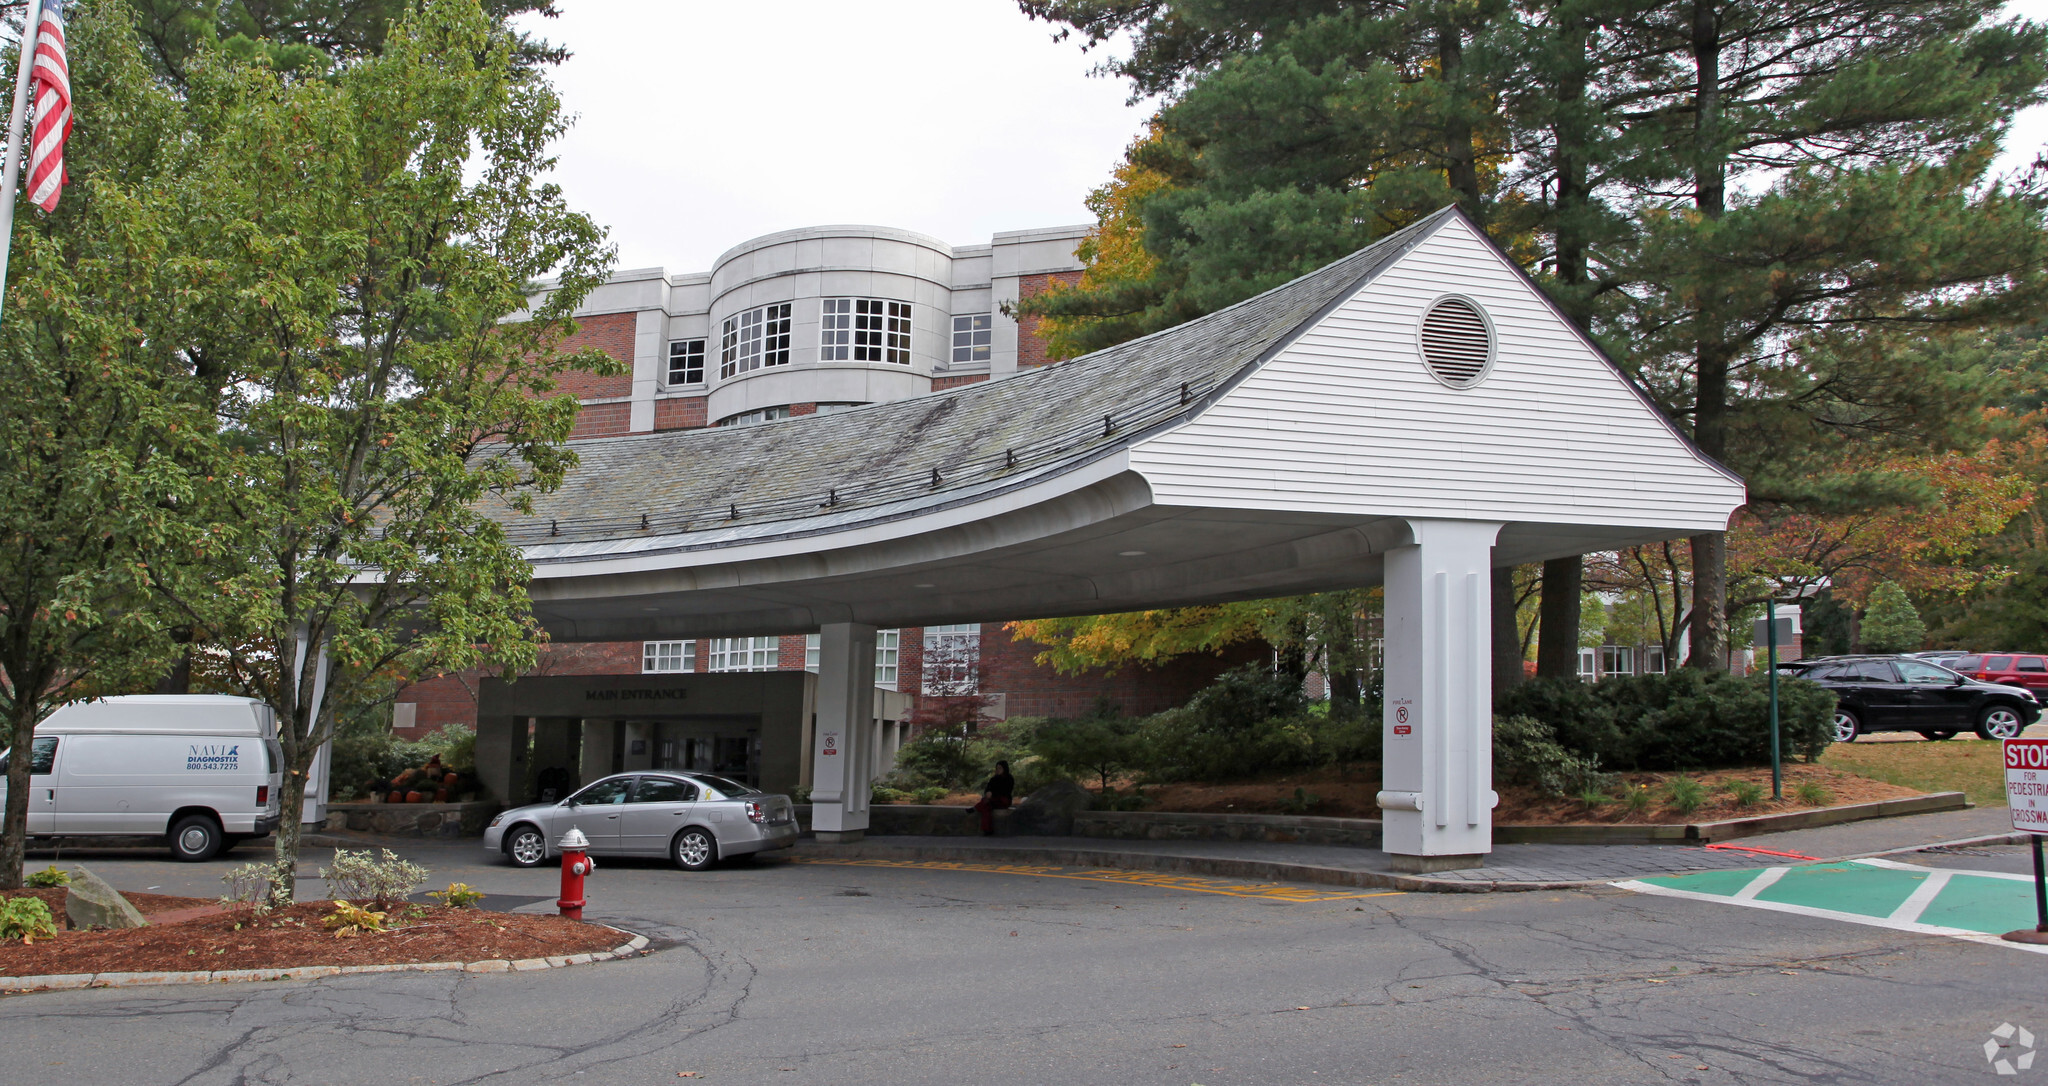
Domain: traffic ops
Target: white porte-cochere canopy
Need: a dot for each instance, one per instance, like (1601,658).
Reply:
(1414,415)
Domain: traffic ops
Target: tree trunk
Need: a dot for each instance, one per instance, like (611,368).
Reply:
(291,808)
(14,842)
(1709,623)
(1557,635)
(1507,635)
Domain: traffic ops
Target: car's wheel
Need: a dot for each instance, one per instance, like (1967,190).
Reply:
(195,838)
(694,849)
(525,846)
(1999,722)
(1847,726)
(1938,735)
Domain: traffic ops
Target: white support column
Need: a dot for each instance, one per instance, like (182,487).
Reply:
(840,756)
(1437,806)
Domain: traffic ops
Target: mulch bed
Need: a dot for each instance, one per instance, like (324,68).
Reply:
(219,939)
(1352,792)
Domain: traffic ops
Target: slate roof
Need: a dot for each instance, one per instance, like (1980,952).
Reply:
(817,473)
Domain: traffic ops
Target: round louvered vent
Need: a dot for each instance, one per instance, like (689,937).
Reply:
(1457,342)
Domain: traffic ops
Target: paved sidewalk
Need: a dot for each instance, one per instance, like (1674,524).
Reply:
(1509,866)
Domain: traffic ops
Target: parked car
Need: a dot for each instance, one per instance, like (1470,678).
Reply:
(1900,693)
(199,770)
(2010,668)
(695,819)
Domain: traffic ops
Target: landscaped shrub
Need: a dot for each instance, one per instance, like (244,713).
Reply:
(1101,746)
(357,876)
(49,878)
(1526,751)
(1686,719)
(260,887)
(26,919)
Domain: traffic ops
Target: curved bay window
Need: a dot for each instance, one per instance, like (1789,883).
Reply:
(864,330)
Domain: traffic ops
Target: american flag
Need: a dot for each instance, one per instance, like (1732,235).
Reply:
(50,85)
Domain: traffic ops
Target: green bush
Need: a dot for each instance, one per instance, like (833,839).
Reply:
(357,876)
(1101,746)
(880,793)
(48,878)
(26,919)
(1683,720)
(930,795)
(1746,793)
(1526,751)
(1686,794)
(952,762)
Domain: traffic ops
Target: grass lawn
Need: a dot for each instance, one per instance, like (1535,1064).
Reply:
(1968,765)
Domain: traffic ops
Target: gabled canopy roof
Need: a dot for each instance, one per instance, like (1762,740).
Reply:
(1272,447)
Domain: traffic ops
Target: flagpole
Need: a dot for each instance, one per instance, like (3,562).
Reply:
(10,178)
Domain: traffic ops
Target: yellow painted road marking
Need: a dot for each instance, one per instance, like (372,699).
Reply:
(1264,891)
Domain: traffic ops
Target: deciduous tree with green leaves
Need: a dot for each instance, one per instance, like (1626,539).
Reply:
(375,235)
(98,421)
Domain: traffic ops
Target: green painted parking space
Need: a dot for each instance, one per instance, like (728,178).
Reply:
(1974,905)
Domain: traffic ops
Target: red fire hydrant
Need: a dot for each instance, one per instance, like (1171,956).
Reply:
(576,863)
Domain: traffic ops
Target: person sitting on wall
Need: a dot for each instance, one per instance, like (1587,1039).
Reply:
(996,793)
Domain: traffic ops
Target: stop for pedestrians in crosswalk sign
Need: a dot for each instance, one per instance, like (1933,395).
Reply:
(2026,783)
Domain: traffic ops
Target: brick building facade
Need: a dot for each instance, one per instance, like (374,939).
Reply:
(797,324)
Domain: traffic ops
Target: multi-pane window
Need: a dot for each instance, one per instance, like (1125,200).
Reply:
(756,338)
(657,656)
(743,653)
(1653,660)
(952,659)
(971,336)
(748,418)
(864,330)
(887,645)
(1586,664)
(1616,660)
(886,649)
(686,362)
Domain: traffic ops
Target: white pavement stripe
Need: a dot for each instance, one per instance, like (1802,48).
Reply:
(1894,865)
(1922,896)
(1828,914)
(1762,882)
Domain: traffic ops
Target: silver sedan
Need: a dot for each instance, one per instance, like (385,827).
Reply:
(695,819)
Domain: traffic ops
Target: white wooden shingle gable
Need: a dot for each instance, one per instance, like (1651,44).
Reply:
(1346,418)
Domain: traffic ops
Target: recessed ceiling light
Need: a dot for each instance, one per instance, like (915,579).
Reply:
(924,586)
(650,608)
(1129,554)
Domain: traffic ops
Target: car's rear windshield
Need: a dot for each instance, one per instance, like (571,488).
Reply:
(727,786)
(1966,663)
(1998,663)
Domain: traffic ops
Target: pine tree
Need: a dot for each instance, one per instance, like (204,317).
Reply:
(1890,623)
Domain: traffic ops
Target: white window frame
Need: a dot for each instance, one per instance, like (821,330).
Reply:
(667,657)
(952,660)
(864,330)
(1587,660)
(888,646)
(973,338)
(743,653)
(1617,660)
(685,362)
(1653,654)
(753,340)
(749,418)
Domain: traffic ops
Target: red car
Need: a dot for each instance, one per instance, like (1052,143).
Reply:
(2010,669)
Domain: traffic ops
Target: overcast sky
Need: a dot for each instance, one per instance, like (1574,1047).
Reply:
(702,123)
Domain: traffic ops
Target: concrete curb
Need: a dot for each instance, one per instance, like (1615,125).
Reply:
(58,982)
(1225,867)
(1728,829)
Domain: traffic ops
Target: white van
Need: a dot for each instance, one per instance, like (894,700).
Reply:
(200,770)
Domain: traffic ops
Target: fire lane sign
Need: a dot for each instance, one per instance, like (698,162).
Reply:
(2026,783)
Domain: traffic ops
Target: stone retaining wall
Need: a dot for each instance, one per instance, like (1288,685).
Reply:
(414,819)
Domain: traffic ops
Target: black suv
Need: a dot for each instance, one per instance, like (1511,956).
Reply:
(1902,694)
